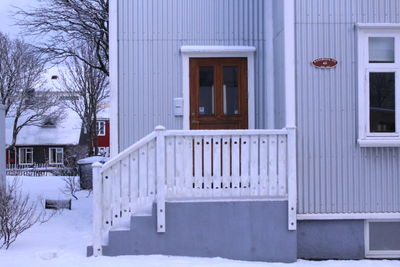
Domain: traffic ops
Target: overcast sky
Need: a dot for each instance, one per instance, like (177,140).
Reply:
(6,19)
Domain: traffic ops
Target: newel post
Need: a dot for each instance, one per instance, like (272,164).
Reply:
(292,179)
(2,147)
(160,160)
(97,209)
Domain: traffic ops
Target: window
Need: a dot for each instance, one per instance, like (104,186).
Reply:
(25,155)
(381,238)
(56,155)
(101,128)
(379,85)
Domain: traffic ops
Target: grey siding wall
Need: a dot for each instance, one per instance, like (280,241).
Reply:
(334,174)
(279,67)
(150,35)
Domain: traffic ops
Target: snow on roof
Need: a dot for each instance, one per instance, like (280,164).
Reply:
(104,113)
(66,132)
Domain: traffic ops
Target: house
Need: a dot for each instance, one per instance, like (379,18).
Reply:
(281,136)
(103,130)
(51,143)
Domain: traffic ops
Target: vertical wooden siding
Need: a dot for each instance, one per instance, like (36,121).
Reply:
(335,175)
(150,35)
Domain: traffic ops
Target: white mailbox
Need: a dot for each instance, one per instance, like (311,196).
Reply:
(178,106)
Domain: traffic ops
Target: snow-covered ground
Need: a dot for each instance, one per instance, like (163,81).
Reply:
(62,241)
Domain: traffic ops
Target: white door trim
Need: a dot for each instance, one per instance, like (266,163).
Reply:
(218,51)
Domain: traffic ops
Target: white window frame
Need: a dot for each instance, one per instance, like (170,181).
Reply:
(20,155)
(364,31)
(98,124)
(51,158)
(378,253)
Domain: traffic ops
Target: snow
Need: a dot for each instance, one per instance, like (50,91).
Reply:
(66,132)
(62,241)
(93,160)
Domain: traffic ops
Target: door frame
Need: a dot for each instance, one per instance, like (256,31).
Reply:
(218,51)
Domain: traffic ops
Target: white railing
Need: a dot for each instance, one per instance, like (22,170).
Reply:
(193,165)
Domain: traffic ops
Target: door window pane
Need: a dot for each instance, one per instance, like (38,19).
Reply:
(231,90)
(382,101)
(206,91)
(381,49)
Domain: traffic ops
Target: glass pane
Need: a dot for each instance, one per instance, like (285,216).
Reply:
(381,49)
(382,102)
(206,91)
(231,91)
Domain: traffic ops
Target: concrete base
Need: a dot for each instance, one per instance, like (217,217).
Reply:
(331,239)
(256,231)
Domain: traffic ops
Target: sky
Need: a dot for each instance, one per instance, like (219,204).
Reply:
(6,18)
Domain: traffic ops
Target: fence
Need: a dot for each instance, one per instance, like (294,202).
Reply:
(37,169)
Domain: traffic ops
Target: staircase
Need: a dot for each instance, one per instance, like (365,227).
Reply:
(190,170)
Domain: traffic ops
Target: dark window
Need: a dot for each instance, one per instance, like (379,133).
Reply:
(382,102)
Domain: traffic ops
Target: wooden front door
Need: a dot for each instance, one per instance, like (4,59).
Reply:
(218,93)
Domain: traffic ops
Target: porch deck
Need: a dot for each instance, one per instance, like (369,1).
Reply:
(195,165)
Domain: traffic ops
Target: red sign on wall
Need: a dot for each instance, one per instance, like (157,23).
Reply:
(324,63)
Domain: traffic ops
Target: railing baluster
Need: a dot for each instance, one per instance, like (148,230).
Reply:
(151,171)
(226,166)
(181,162)
(134,180)
(143,174)
(264,165)
(170,165)
(116,193)
(244,166)
(235,165)
(272,165)
(217,178)
(125,179)
(198,166)
(282,165)
(207,169)
(254,166)
(188,168)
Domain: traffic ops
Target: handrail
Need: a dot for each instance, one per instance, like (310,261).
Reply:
(128,151)
(225,132)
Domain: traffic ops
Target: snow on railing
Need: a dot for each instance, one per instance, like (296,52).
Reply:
(190,165)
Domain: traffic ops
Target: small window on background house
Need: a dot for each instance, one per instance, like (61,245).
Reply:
(378,92)
(25,155)
(101,128)
(56,155)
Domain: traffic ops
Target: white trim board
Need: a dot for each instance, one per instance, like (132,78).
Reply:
(113,37)
(218,51)
(348,216)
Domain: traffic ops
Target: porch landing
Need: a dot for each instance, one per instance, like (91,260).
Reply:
(240,230)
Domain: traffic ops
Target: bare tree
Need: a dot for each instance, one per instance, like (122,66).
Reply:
(18,213)
(88,89)
(22,88)
(63,22)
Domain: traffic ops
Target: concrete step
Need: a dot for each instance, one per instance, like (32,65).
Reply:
(242,230)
